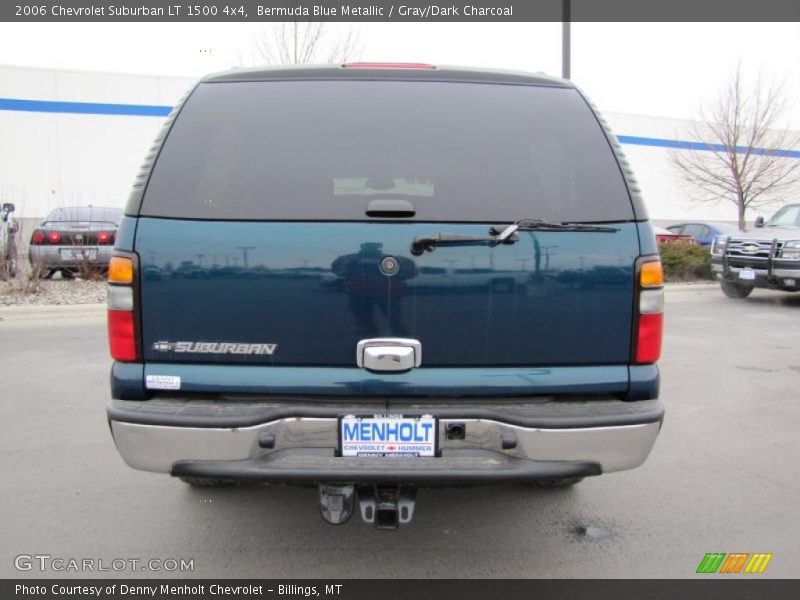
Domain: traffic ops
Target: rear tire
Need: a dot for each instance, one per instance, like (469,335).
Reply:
(735,290)
(206,482)
(557,482)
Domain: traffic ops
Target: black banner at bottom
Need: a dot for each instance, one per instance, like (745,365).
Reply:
(711,588)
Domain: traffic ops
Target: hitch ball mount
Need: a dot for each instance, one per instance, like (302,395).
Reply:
(385,506)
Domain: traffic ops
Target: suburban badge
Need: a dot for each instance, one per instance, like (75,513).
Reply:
(214,347)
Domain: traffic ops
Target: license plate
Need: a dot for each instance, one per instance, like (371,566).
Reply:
(747,274)
(78,253)
(388,435)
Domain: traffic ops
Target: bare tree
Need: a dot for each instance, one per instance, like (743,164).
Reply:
(295,43)
(741,161)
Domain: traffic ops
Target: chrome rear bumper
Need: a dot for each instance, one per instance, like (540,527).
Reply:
(52,256)
(169,448)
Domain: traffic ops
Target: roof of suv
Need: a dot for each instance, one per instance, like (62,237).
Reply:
(393,71)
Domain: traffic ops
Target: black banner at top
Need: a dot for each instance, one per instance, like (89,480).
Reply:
(399,10)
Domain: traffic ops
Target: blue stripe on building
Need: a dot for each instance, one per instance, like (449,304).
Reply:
(145,110)
(84,108)
(686,145)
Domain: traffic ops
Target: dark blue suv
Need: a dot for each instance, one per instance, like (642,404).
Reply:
(375,278)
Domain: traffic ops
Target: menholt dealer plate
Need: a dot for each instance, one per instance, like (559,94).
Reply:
(388,435)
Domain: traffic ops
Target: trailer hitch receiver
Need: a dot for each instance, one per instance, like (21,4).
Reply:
(387,507)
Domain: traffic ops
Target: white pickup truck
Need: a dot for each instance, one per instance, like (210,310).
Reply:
(765,257)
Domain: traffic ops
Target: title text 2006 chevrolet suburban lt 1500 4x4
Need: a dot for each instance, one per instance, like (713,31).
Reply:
(375,278)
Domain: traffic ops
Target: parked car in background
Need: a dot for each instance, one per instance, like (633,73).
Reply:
(765,257)
(703,233)
(8,248)
(75,240)
(665,236)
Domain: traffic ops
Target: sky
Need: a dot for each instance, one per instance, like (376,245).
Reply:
(659,69)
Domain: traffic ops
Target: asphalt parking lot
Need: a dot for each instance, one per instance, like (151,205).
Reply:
(724,475)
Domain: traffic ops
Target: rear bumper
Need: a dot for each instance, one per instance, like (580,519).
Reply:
(298,442)
(452,468)
(53,257)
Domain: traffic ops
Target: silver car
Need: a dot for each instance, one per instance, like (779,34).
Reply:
(75,240)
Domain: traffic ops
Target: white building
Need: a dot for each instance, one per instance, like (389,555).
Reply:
(73,137)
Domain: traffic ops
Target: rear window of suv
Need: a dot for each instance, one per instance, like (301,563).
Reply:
(322,150)
(84,214)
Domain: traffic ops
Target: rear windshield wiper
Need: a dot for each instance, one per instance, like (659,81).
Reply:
(539,225)
(499,234)
(427,243)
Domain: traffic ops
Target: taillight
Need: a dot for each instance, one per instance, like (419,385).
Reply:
(54,237)
(650,311)
(122,323)
(38,238)
(121,335)
(120,270)
(105,237)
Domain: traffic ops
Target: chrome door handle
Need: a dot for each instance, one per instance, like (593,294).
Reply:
(389,354)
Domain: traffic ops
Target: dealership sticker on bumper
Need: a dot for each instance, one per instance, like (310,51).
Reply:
(388,435)
(162,382)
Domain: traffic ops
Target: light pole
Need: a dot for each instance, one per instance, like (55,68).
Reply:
(245,250)
(566,17)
